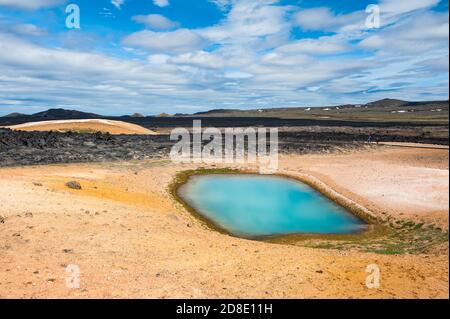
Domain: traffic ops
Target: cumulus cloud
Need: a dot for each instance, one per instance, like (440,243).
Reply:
(156,21)
(251,23)
(31,4)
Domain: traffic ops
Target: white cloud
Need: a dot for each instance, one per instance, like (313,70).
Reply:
(23,29)
(200,59)
(237,75)
(61,77)
(181,40)
(251,23)
(418,34)
(158,59)
(161,3)
(280,59)
(323,45)
(305,73)
(399,7)
(29,29)
(156,21)
(324,19)
(439,64)
(117,3)
(14,51)
(31,4)
(222,4)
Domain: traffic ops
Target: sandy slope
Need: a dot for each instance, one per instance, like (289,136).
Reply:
(131,240)
(113,127)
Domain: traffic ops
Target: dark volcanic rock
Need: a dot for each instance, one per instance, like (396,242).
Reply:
(31,148)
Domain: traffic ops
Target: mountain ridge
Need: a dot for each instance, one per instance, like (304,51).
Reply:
(386,110)
(56,113)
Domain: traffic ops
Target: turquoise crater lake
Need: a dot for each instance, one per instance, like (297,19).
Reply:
(253,206)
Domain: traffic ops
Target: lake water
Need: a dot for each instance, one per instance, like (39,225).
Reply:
(255,206)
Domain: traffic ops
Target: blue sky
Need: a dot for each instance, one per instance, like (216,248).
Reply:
(179,56)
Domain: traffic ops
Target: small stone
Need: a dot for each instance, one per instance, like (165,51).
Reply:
(67,251)
(28,214)
(73,185)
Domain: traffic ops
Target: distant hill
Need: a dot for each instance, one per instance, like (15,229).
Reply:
(388,103)
(63,114)
(49,115)
(386,110)
(14,115)
(382,111)
(222,111)
(163,115)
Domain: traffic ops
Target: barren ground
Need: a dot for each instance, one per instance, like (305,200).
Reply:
(131,239)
